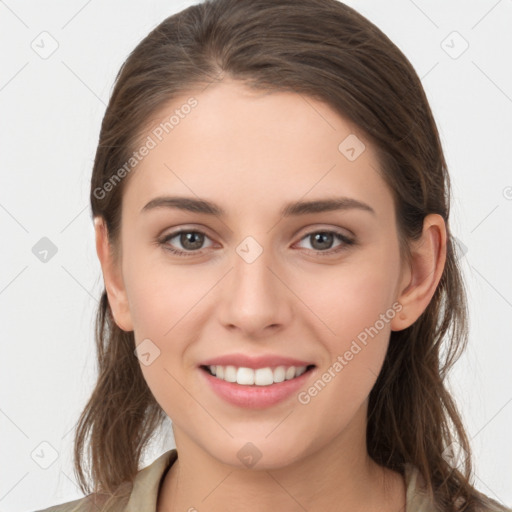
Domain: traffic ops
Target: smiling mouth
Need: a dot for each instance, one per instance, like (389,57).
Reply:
(256,377)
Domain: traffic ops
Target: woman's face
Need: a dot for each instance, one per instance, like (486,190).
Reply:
(255,281)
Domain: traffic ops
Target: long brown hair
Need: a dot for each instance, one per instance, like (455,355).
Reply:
(325,50)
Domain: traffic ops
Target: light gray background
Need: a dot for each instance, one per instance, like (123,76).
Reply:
(51,110)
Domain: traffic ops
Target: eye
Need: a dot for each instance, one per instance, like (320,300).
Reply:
(322,240)
(190,240)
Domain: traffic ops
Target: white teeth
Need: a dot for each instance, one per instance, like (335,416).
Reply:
(245,376)
(258,377)
(230,374)
(279,374)
(290,373)
(263,377)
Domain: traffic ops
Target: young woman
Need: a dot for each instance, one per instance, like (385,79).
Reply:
(271,204)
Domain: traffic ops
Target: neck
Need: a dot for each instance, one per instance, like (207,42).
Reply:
(338,476)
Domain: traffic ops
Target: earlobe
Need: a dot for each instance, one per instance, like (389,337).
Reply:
(112,277)
(420,281)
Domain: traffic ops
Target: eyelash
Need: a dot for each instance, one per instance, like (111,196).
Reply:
(347,242)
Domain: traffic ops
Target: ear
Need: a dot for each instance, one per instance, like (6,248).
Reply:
(421,276)
(112,276)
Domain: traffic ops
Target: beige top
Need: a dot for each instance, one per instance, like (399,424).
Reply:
(146,486)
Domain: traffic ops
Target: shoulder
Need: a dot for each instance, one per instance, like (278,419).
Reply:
(418,500)
(132,496)
(91,503)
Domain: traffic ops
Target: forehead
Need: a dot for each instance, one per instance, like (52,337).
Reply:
(254,150)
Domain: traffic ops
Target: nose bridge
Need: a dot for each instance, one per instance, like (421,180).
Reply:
(254,298)
(252,279)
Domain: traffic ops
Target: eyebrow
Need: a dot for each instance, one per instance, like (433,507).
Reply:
(291,209)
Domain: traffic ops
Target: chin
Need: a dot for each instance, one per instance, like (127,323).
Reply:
(258,454)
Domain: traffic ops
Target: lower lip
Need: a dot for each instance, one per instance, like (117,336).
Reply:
(256,397)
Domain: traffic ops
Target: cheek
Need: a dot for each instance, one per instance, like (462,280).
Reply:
(349,298)
(354,306)
(162,296)
(164,303)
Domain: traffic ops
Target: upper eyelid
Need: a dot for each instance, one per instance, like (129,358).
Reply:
(308,231)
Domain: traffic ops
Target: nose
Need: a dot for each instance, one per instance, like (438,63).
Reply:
(255,299)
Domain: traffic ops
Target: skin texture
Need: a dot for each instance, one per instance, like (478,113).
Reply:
(251,152)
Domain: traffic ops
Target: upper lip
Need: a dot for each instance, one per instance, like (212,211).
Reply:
(263,361)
